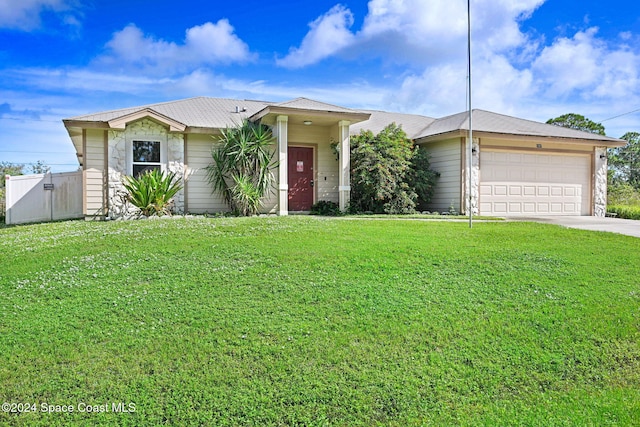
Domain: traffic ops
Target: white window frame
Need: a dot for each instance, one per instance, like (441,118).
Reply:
(163,152)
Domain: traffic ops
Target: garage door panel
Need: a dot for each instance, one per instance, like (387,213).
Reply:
(534,183)
(556,208)
(571,207)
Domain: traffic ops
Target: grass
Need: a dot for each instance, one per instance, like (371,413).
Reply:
(314,321)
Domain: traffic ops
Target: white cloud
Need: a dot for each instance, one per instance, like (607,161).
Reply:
(25,15)
(205,44)
(588,66)
(328,35)
(414,31)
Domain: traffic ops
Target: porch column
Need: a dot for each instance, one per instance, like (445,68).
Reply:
(344,183)
(600,182)
(283,164)
(475,177)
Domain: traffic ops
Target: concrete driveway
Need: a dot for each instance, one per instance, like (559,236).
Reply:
(612,225)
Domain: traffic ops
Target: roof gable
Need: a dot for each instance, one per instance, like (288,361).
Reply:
(201,112)
(310,104)
(121,122)
(486,121)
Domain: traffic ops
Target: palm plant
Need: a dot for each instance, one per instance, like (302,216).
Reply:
(242,166)
(152,192)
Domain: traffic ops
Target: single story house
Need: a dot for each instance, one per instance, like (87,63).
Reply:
(519,167)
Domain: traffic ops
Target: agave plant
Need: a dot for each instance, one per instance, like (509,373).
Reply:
(242,166)
(152,192)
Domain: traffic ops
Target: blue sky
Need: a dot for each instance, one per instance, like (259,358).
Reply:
(534,59)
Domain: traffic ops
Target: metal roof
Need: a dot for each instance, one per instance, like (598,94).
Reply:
(217,113)
(193,112)
(412,124)
(486,121)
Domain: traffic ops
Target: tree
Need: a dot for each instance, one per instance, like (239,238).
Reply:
(625,161)
(387,174)
(577,122)
(242,166)
(39,167)
(8,168)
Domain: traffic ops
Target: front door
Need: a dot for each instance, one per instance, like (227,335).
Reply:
(300,178)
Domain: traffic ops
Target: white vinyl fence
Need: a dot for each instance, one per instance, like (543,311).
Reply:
(45,197)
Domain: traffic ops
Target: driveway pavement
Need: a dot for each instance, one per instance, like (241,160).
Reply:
(612,225)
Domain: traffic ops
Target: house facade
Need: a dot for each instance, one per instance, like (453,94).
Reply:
(519,167)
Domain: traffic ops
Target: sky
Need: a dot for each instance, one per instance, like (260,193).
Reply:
(533,59)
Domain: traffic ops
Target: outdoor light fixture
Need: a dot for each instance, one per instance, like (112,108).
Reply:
(307,122)
(603,156)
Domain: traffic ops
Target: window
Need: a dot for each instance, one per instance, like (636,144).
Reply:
(146,156)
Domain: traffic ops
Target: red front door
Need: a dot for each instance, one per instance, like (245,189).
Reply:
(300,178)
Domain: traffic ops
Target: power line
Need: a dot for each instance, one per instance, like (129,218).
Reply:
(46,164)
(620,115)
(29,119)
(34,152)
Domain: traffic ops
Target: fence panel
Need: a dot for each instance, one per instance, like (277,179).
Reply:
(44,197)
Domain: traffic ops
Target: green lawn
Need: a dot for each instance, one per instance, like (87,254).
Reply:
(312,321)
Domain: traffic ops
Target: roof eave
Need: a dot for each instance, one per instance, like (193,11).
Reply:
(609,143)
(71,123)
(353,117)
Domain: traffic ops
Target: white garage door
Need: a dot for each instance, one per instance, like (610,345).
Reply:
(520,183)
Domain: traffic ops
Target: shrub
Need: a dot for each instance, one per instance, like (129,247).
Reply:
(627,212)
(326,208)
(246,195)
(422,178)
(152,192)
(242,166)
(623,194)
(389,174)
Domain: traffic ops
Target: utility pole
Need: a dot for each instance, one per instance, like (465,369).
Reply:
(470,150)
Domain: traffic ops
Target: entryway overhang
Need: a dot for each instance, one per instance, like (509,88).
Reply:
(310,113)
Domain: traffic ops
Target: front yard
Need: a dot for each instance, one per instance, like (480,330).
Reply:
(313,321)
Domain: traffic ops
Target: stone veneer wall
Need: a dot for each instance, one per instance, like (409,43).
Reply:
(475,178)
(118,167)
(600,184)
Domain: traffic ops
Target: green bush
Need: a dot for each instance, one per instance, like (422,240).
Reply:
(422,178)
(326,208)
(2,205)
(388,173)
(242,166)
(623,194)
(627,212)
(152,192)
(246,195)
